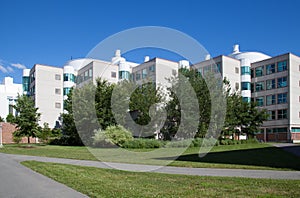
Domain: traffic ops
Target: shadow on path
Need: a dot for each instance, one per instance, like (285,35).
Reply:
(268,157)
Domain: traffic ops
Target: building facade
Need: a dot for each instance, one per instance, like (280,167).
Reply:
(273,82)
(275,86)
(9,92)
(46,89)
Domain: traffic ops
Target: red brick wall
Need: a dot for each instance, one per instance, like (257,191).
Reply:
(7,131)
(273,137)
(295,136)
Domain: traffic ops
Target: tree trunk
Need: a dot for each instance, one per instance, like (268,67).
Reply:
(28,140)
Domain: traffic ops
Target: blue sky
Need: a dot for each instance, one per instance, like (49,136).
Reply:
(50,32)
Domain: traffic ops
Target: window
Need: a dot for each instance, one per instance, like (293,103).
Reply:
(199,71)
(246,99)
(276,130)
(219,67)
(281,98)
(281,66)
(57,77)
(237,86)
(260,101)
(152,68)
(259,71)
(57,91)
(11,109)
(138,76)
(237,70)
(86,75)
(259,86)
(271,99)
(144,73)
(69,77)
(246,86)
(270,84)
(32,77)
(113,74)
(67,91)
(282,82)
(206,69)
(91,73)
(57,105)
(270,69)
(282,114)
(272,115)
(295,130)
(246,70)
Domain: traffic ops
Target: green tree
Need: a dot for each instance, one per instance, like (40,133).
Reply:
(44,133)
(27,117)
(69,130)
(242,117)
(206,88)
(1,119)
(103,103)
(10,118)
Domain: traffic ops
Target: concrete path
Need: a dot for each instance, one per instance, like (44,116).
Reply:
(295,175)
(17,181)
(289,147)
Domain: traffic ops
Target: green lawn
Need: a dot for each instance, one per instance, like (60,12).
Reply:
(96,182)
(246,156)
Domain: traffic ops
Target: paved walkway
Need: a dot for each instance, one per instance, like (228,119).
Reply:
(164,169)
(289,147)
(17,181)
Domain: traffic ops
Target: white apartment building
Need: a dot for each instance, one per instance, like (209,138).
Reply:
(273,82)
(9,92)
(46,89)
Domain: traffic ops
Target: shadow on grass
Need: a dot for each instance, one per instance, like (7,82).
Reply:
(267,157)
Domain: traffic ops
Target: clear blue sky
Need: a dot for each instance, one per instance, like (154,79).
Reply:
(50,32)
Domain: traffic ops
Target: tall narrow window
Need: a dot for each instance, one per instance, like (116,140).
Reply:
(270,69)
(281,98)
(281,66)
(259,71)
(270,84)
(282,82)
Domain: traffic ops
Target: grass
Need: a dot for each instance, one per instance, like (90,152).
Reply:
(96,182)
(245,156)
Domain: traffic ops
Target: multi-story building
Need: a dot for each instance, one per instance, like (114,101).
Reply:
(9,92)
(46,89)
(272,82)
(228,67)
(275,86)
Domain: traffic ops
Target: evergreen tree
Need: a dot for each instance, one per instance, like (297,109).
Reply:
(70,134)
(27,117)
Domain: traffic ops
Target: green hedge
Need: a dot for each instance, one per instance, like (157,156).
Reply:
(143,143)
(233,142)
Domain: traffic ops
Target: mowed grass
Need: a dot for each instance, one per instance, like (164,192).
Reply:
(96,182)
(244,156)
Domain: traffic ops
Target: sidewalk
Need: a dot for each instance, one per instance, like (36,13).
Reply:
(18,181)
(295,175)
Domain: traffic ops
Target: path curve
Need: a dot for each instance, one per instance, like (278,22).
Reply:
(294,175)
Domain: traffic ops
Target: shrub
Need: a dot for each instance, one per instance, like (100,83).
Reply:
(17,139)
(180,143)
(140,143)
(113,135)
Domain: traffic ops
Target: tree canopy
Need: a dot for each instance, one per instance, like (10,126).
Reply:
(27,117)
